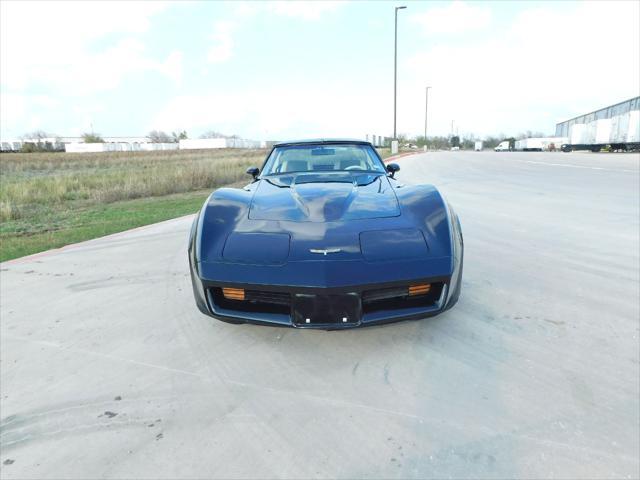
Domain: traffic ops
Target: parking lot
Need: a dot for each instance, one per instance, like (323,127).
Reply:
(109,370)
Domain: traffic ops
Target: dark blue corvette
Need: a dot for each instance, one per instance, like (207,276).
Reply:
(325,237)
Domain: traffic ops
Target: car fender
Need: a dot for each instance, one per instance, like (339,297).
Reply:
(430,213)
(217,219)
(441,227)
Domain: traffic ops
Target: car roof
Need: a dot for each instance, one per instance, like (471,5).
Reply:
(323,141)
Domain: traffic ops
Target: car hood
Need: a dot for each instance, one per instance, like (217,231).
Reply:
(324,197)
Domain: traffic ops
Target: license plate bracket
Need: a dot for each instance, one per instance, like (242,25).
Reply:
(311,309)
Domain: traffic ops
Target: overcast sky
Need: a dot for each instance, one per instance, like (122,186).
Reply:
(276,70)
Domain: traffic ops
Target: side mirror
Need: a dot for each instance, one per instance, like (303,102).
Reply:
(253,171)
(392,168)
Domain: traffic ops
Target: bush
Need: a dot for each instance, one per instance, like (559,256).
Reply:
(32,147)
(92,138)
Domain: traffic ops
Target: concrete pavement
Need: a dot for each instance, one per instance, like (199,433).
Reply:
(109,371)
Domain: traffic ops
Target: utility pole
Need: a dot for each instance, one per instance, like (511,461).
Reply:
(395,71)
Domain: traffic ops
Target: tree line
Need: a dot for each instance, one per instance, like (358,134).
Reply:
(40,141)
(466,141)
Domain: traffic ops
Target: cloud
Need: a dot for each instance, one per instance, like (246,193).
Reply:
(300,9)
(304,9)
(107,69)
(541,68)
(224,30)
(60,48)
(276,112)
(172,67)
(222,49)
(15,109)
(246,8)
(50,44)
(456,17)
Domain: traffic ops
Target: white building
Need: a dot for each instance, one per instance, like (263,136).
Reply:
(617,124)
(129,144)
(118,147)
(205,143)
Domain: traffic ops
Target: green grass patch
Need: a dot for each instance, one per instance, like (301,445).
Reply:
(66,227)
(384,152)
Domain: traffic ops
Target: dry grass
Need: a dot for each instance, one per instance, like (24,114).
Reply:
(31,183)
(48,200)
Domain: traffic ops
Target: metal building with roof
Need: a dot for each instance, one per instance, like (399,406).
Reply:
(617,126)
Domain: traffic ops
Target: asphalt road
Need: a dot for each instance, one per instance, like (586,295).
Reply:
(108,370)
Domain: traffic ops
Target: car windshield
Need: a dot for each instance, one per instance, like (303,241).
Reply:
(323,157)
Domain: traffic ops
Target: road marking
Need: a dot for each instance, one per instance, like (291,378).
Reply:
(578,166)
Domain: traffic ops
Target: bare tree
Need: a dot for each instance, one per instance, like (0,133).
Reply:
(213,134)
(158,136)
(41,141)
(492,141)
(468,141)
(37,135)
(530,134)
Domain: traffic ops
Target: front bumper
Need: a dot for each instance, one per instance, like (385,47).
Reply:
(324,308)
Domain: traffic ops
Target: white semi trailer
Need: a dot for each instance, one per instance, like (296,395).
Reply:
(614,128)
(539,144)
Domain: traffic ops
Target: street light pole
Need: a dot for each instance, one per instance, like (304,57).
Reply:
(395,72)
(426,112)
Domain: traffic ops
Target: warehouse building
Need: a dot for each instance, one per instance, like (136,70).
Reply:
(617,126)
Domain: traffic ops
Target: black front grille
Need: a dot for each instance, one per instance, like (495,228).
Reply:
(258,301)
(369,296)
(398,298)
(373,300)
(258,296)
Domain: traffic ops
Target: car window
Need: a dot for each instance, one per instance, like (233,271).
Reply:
(319,158)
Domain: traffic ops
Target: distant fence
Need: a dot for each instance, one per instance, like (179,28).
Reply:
(12,146)
(187,144)
(200,143)
(117,147)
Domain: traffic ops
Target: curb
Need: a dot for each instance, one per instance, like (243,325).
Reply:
(400,155)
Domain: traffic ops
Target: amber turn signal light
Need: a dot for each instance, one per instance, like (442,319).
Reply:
(233,293)
(419,289)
